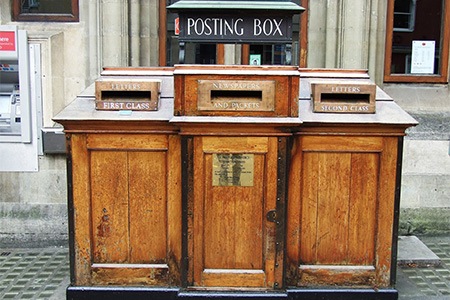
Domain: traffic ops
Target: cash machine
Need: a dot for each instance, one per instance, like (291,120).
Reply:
(14,77)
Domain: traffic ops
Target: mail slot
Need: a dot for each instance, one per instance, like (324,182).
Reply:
(237,95)
(127,94)
(343,97)
(236,90)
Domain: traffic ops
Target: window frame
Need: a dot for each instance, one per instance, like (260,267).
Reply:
(444,50)
(74,16)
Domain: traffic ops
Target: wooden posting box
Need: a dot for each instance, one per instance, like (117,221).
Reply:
(236,91)
(122,93)
(343,96)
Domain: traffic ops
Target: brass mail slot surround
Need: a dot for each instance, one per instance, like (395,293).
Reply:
(127,94)
(343,97)
(245,95)
(236,91)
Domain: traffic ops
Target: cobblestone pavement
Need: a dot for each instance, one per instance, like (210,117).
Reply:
(33,273)
(427,282)
(43,273)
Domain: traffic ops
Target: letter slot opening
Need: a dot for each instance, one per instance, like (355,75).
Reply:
(126,95)
(236,95)
(342,98)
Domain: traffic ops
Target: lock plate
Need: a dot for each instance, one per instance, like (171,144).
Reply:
(272,216)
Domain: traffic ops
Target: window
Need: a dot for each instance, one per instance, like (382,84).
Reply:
(417,41)
(46,10)
(404,15)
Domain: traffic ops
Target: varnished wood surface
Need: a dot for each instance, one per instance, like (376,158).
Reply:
(232,243)
(341,208)
(187,77)
(125,192)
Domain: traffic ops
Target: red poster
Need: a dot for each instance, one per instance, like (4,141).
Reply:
(7,41)
(177,26)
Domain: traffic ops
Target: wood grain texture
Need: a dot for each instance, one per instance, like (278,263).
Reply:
(81,209)
(110,205)
(122,193)
(342,192)
(148,207)
(233,244)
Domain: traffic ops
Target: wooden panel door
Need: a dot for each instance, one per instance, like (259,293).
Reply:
(341,210)
(233,243)
(132,194)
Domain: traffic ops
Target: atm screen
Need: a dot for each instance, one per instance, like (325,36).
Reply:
(5,106)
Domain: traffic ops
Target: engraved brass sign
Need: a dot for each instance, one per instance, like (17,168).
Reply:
(127,94)
(237,95)
(343,97)
(232,169)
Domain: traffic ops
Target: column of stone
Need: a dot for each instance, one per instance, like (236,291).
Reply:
(114,32)
(347,34)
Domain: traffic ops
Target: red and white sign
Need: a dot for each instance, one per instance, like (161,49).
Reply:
(7,41)
(177,26)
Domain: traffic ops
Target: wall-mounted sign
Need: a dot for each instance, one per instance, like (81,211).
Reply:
(7,41)
(422,59)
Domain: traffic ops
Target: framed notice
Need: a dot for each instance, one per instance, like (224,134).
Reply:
(422,59)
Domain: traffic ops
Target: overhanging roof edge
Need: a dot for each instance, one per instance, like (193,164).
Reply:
(197,5)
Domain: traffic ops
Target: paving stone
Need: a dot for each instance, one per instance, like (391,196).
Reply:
(32,274)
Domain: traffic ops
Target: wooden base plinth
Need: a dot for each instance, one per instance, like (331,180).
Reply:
(123,293)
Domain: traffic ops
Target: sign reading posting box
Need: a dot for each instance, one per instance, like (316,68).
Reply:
(127,94)
(343,97)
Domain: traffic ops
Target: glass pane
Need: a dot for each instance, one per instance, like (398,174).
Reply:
(401,21)
(402,6)
(46,6)
(268,54)
(425,35)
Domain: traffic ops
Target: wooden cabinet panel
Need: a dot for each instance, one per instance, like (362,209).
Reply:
(340,210)
(129,207)
(133,188)
(148,207)
(338,218)
(233,243)
(109,192)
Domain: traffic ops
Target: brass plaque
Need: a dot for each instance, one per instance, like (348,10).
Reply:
(343,97)
(127,94)
(232,169)
(237,95)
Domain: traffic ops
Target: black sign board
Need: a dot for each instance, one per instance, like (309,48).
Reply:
(235,21)
(235,28)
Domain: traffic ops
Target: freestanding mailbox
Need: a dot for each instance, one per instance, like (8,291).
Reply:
(232,182)
(204,198)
